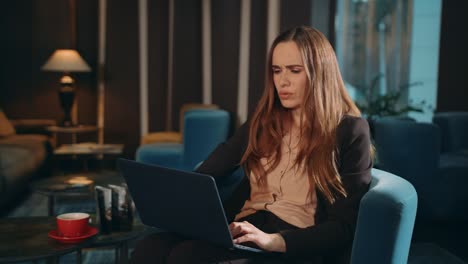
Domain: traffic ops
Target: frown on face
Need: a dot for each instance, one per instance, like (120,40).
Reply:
(289,74)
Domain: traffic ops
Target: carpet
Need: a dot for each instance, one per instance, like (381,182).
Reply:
(422,253)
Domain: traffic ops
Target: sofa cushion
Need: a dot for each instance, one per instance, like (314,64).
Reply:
(34,145)
(21,158)
(6,128)
(15,163)
(452,160)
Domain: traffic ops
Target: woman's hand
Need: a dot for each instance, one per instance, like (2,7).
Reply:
(246,232)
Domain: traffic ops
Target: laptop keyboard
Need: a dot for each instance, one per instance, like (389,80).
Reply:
(247,248)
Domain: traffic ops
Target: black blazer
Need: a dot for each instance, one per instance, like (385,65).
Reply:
(333,233)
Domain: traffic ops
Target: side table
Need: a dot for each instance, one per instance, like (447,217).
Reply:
(73,131)
(55,186)
(120,239)
(28,240)
(88,151)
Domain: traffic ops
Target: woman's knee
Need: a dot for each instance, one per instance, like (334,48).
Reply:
(196,251)
(154,248)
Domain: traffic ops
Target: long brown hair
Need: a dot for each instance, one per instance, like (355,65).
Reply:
(325,103)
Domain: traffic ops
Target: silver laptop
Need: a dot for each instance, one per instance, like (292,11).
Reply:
(186,203)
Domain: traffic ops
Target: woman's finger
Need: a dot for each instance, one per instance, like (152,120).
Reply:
(237,228)
(245,232)
(245,238)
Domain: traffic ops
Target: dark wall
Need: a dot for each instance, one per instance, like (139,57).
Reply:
(122,91)
(452,92)
(258,52)
(187,70)
(34,29)
(86,44)
(16,46)
(158,34)
(225,28)
(294,13)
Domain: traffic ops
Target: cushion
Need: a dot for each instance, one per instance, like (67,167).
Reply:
(35,145)
(163,154)
(6,128)
(16,168)
(162,137)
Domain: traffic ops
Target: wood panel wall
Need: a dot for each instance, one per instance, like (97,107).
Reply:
(122,123)
(158,34)
(34,29)
(31,31)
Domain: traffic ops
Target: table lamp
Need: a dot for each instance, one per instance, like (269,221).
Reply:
(66,61)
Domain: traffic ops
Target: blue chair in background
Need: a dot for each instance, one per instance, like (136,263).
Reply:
(203,131)
(175,136)
(453,127)
(412,151)
(454,142)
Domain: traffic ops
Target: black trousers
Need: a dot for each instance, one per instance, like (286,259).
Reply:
(171,248)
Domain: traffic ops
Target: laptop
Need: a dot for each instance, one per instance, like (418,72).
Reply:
(186,203)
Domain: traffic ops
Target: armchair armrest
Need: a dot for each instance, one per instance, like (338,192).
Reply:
(32,126)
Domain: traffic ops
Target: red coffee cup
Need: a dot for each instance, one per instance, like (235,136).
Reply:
(72,224)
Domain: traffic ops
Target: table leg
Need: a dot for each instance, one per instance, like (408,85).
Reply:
(85,164)
(124,253)
(117,254)
(53,260)
(51,204)
(54,140)
(78,256)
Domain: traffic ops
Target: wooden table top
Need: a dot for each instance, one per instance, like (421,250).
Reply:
(26,238)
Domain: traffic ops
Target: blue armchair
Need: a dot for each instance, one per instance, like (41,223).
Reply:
(453,126)
(203,131)
(454,142)
(385,222)
(412,151)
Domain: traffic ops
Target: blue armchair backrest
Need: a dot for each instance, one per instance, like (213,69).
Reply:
(408,149)
(453,126)
(385,221)
(203,131)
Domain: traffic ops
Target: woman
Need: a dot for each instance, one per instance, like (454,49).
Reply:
(307,157)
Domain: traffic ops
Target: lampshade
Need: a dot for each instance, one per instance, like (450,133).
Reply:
(66,60)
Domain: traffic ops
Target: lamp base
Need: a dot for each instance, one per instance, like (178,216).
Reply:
(67,98)
(67,123)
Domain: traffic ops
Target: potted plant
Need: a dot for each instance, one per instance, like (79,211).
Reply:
(374,105)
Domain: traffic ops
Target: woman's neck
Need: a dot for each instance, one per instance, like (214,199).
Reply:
(294,130)
(296,119)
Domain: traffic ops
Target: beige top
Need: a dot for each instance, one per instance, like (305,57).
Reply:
(288,191)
